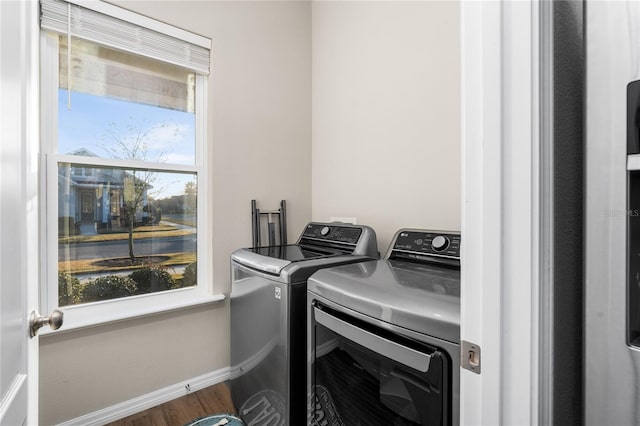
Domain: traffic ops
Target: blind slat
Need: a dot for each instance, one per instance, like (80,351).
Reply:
(118,34)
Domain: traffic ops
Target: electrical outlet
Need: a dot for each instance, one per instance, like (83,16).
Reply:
(351,220)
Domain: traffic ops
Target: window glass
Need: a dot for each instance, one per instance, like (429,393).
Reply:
(124,106)
(124,231)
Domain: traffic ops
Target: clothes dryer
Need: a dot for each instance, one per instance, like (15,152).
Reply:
(384,336)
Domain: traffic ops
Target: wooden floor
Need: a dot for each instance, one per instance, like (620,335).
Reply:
(212,400)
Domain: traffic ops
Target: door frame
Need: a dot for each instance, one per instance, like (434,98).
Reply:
(501,141)
(33,174)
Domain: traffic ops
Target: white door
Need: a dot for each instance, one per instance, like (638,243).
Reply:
(19,247)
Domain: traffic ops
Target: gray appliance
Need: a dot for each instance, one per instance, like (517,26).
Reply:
(268,317)
(384,336)
(590,191)
(612,214)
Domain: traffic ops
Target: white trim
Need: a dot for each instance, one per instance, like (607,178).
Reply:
(152,399)
(124,30)
(520,204)
(69,79)
(49,67)
(33,236)
(481,275)
(204,244)
(115,310)
(126,164)
(143,21)
(50,197)
(500,218)
(87,315)
(14,404)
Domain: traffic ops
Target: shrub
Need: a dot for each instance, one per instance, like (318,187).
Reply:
(190,277)
(108,287)
(150,279)
(69,289)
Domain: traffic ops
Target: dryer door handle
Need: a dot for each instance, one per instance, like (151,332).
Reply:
(407,356)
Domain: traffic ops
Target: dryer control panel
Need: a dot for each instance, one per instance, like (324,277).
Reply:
(427,245)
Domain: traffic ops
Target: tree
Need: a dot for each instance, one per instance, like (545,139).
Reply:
(134,194)
(133,144)
(190,192)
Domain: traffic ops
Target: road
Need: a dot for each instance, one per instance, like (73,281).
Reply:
(120,248)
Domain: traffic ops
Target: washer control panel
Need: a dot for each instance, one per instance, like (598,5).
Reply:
(433,243)
(333,232)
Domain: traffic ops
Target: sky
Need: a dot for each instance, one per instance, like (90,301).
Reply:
(94,121)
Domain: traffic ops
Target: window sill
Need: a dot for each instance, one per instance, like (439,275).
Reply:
(83,316)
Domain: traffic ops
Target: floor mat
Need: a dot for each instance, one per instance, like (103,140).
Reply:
(217,420)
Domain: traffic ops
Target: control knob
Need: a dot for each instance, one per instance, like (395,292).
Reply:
(325,231)
(440,243)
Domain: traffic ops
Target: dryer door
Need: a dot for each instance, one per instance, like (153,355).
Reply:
(366,375)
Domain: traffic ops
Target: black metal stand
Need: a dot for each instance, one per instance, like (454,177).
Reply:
(256,215)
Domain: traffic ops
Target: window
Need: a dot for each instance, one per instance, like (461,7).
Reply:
(124,148)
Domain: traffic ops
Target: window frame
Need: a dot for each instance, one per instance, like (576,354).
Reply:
(96,313)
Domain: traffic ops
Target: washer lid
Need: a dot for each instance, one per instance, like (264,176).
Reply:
(294,252)
(424,299)
(275,258)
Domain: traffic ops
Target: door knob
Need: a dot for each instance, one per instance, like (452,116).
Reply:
(37,321)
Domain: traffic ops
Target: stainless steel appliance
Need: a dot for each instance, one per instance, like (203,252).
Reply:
(384,336)
(612,214)
(268,317)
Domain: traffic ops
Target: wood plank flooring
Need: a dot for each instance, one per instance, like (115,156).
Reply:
(212,400)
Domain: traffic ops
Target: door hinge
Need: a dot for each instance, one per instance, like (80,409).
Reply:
(470,356)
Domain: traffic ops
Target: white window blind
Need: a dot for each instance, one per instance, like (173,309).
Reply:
(102,71)
(109,25)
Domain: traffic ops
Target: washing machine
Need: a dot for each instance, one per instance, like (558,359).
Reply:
(384,336)
(268,318)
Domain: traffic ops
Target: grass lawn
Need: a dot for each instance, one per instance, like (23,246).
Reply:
(88,266)
(138,234)
(182,219)
(142,232)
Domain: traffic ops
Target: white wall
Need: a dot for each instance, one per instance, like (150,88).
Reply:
(385,115)
(259,130)
(94,368)
(259,110)
(375,85)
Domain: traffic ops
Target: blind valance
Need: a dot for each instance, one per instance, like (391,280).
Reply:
(121,29)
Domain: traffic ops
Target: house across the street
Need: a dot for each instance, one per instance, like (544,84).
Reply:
(94,198)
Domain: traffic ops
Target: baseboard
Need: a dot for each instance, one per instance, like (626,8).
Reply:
(143,402)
